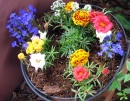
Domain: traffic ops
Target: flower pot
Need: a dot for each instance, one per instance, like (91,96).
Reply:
(46,97)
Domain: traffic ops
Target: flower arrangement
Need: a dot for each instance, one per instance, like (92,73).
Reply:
(78,45)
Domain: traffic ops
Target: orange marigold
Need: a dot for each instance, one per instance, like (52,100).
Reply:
(79,57)
(81,17)
(68,6)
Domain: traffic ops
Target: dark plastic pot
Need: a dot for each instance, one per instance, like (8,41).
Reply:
(45,97)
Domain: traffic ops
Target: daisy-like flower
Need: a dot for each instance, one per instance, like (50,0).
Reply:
(37,60)
(101,35)
(102,24)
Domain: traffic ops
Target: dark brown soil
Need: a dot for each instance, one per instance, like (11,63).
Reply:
(24,93)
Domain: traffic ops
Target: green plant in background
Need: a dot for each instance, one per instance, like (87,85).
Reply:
(117,84)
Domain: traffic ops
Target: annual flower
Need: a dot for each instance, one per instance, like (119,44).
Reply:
(105,71)
(81,17)
(21,56)
(71,6)
(79,57)
(80,73)
(102,24)
(37,60)
(94,14)
(101,35)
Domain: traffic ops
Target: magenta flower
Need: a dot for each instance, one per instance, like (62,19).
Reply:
(80,73)
(102,24)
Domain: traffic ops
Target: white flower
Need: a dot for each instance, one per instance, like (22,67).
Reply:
(87,7)
(42,34)
(37,60)
(101,35)
(34,37)
(57,4)
(75,6)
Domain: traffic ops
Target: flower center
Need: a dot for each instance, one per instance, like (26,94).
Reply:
(37,61)
(102,24)
(80,73)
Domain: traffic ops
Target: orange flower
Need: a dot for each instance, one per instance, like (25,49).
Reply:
(21,56)
(79,57)
(81,17)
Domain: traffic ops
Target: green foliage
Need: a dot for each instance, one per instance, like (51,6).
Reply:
(124,21)
(50,57)
(117,83)
(85,86)
(75,38)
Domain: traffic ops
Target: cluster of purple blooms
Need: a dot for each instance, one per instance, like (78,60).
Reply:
(22,23)
(111,45)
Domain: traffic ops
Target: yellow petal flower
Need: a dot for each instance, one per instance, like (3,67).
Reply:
(21,56)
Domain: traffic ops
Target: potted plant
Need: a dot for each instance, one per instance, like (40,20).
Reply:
(73,52)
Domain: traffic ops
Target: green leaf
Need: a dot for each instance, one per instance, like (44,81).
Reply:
(115,85)
(124,21)
(127,77)
(128,65)
(119,94)
(127,90)
(120,76)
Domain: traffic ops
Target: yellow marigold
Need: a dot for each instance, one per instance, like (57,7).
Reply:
(81,17)
(21,56)
(68,6)
(30,48)
(79,57)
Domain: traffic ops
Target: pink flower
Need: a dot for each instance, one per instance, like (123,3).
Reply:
(102,24)
(105,71)
(80,73)
(94,14)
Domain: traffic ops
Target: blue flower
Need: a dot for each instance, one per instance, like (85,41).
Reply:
(21,26)
(118,36)
(14,44)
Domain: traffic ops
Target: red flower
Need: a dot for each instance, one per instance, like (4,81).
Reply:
(105,71)
(102,24)
(80,73)
(94,14)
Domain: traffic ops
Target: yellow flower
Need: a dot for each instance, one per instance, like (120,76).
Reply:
(79,57)
(37,44)
(21,56)
(30,48)
(81,17)
(68,6)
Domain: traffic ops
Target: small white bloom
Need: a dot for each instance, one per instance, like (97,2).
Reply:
(57,4)
(87,7)
(101,35)
(75,6)
(57,13)
(42,34)
(34,37)
(37,60)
